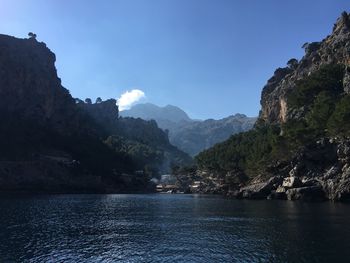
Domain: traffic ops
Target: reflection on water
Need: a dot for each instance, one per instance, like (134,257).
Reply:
(170,228)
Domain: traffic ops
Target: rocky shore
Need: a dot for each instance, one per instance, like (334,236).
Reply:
(320,171)
(299,148)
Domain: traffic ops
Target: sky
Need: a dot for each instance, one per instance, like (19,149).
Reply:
(209,57)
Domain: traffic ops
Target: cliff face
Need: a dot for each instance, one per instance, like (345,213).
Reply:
(31,90)
(141,139)
(104,113)
(335,48)
(30,86)
(47,143)
(51,142)
(300,145)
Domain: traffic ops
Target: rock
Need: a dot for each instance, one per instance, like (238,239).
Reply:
(291,182)
(104,113)
(333,49)
(277,195)
(310,182)
(318,178)
(281,189)
(39,117)
(309,193)
(346,80)
(332,172)
(260,190)
(341,187)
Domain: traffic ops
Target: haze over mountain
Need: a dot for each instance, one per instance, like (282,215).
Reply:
(191,136)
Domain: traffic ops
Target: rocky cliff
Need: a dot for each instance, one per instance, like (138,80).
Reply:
(300,144)
(335,48)
(31,88)
(140,139)
(104,113)
(51,142)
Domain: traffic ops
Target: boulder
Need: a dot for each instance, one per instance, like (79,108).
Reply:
(277,195)
(281,189)
(260,190)
(308,193)
(291,182)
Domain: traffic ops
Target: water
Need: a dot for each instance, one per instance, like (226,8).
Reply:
(170,228)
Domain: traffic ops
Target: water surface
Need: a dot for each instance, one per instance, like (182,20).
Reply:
(170,228)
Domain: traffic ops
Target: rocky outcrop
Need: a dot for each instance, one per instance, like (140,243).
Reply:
(335,48)
(259,190)
(307,193)
(319,171)
(30,87)
(105,113)
(51,142)
(298,149)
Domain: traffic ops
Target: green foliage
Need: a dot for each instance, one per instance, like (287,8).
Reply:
(318,95)
(145,157)
(321,110)
(24,139)
(325,113)
(327,79)
(145,132)
(296,132)
(32,35)
(339,122)
(147,145)
(292,63)
(245,151)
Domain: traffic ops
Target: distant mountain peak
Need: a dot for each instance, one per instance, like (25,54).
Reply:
(150,111)
(191,136)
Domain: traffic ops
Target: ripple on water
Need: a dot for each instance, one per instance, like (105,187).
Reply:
(170,228)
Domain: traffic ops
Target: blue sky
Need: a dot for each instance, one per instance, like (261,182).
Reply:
(209,57)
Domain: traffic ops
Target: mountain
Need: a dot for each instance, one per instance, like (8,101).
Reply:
(148,111)
(51,142)
(191,136)
(196,136)
(300,146)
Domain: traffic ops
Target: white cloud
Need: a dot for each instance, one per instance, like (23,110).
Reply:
(128,98)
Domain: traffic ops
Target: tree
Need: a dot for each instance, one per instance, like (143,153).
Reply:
(32,35)
(88,101)
(320,112)
(98,100)
(292,63)
(311,47)
(77,101)
(345,18)
(339,122)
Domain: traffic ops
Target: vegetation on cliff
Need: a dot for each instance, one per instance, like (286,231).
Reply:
(191,136)
(52,142)
(326,114)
